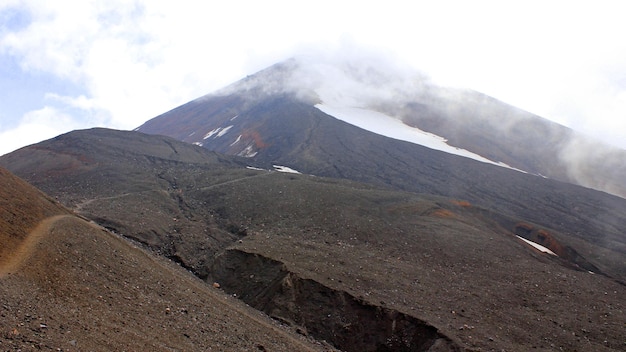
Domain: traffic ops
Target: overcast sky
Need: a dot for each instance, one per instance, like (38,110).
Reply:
(69,64)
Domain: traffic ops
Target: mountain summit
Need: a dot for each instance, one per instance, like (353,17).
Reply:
(271,114)
(394,128)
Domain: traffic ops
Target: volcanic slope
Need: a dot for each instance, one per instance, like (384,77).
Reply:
(69,285)
(262,118)
(98,171)
(248,118)
(362,267)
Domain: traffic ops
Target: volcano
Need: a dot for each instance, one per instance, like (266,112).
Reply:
(282,115)
(362,209)
(354,121)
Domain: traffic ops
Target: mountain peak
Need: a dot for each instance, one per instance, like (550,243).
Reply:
(254,116)
(354,82)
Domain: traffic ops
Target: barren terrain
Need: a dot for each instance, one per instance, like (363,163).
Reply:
(73,286)
(363,267)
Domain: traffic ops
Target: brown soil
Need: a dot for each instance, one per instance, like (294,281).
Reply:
(69,285)
(82,288)
(22,207)
(13,260)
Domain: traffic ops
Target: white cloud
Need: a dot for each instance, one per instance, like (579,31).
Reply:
(36,126)
(137,59)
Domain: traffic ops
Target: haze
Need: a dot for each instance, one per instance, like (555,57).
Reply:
(67,65)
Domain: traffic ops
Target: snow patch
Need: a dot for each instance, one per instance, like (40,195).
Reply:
(211,133)
(537,246)
(223,131)
(198,143)
(286,169)
(255,168)
(217,132)
(391,127)
(234,117)
(248,152)
(236,141)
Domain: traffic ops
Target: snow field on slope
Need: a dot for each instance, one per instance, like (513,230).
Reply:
(388,126)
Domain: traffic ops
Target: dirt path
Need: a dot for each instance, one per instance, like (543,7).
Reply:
(264,174)
(81,205)
(22,253)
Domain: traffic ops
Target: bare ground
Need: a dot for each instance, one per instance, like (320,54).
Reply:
(449,262)
(73,286)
